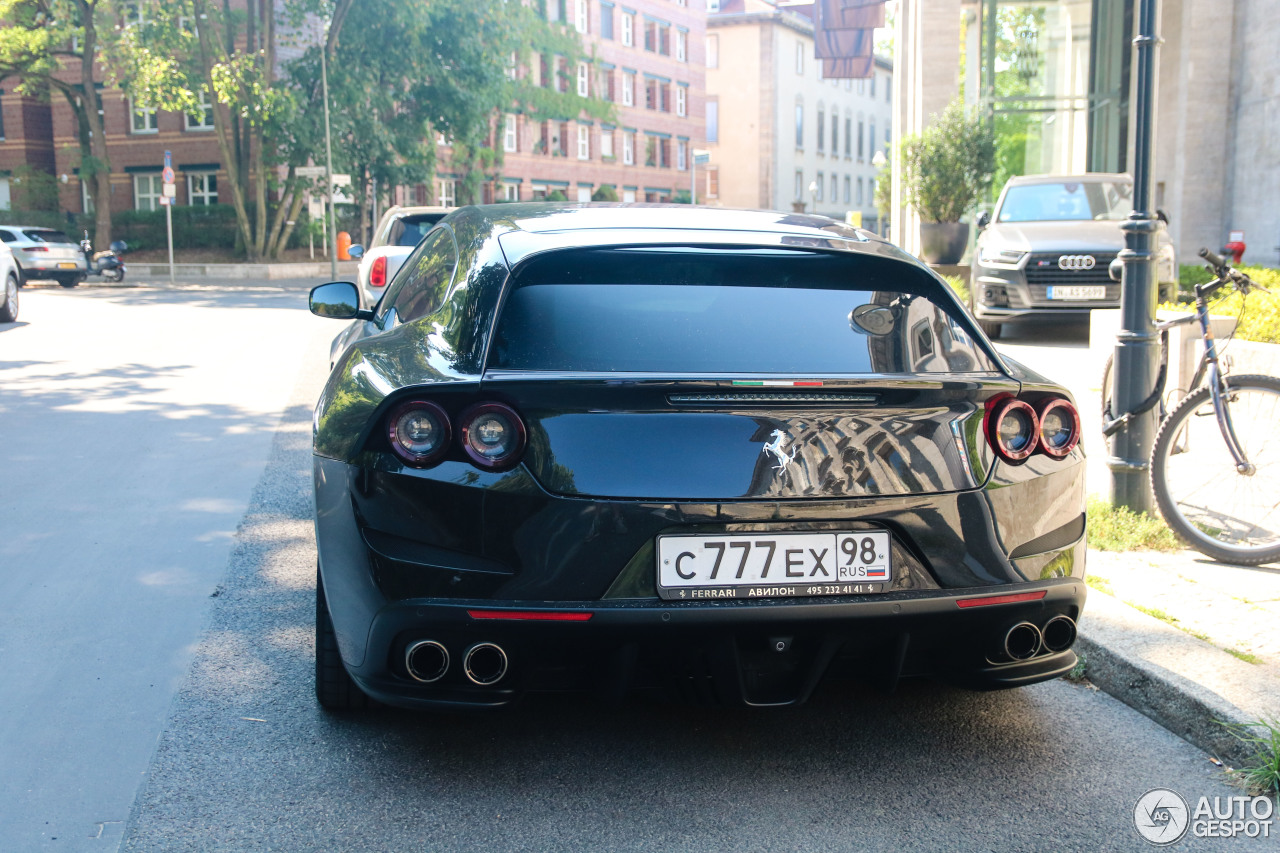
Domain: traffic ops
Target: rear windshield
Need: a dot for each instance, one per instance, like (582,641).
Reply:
(46,235)
(410,230)
(729,311)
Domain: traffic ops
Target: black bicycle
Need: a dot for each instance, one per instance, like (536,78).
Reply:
(1215,465)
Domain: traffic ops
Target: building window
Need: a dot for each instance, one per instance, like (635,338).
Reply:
(682,46)
(862,86)
(799,125)
(859,191)
(871,137)
(580,15)
(848,137)
(143,120)
(539,192)
(628,29)
(860,149)
(628,89)
(713,51)
(835,133)
(846,189)
(606,20)
(713,120)
(713,6)
(650,151)
(509,137)
(584,142)
(713,182)
(835,187)
(510,192)
(800,57)
(799,185)
(606,144)
(203,119)
(513,66)
(873,85)
(822,129)
(146,191)
(682,155)
(202,189)
(448,193)
(584,75)
(682,101)
(629,147)
(86,200)
(818,185)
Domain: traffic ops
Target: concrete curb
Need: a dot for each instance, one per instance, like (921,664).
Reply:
(255,271)
(1185,684)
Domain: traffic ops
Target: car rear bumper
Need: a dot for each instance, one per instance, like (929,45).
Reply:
(756,654)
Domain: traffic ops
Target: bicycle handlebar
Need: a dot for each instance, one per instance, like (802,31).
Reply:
(1225,274)
(1214,261)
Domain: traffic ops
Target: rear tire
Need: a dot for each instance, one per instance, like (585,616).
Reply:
(1223,514)
(69,281)
(9,313)
(334,688)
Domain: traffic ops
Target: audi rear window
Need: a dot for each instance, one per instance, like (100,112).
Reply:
(718,311)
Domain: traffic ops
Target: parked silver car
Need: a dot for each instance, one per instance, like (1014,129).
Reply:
(398,232)
(45,253)
(1048,245)
(8,286)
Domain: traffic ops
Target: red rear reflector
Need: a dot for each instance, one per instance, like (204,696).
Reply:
(378,272)
(1002,599)
(530,615)
(35,248)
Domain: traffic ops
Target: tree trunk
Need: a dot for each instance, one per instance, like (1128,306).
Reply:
(97,138)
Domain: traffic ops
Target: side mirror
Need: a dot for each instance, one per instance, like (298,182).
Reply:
(1115,269)
(337,300)
(984,219)
(356,251)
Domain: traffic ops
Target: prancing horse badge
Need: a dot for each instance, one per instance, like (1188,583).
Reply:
(774,449)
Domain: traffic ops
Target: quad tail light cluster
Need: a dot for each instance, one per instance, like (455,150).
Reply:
(491,435)
(1016,429)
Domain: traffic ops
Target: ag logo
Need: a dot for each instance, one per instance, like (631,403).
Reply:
(1076,262)
(1161,816)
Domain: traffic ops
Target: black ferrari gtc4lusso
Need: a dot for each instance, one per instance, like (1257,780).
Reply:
(729,453)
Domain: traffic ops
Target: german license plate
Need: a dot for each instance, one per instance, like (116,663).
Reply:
(773,565)
(66,265)
(1078,291)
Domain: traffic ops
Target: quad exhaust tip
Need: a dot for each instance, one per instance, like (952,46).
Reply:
(1022,641)
(485,664)
(1059,633)
(427,661)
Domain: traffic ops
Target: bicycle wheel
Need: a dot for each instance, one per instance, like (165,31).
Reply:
(1229,516)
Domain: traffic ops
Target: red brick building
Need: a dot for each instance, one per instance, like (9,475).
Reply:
(26,137)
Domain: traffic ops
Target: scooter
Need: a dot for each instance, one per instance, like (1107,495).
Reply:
(107,264)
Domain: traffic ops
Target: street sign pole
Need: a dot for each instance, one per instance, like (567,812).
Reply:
(328,167)
(1137,350)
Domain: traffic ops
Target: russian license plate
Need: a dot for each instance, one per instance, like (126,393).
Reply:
(773,565)
(1078,291)
(66,265)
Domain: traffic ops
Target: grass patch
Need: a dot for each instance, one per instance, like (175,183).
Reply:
(1078,671)
(1100,584)
(1244,656)
(960,286)
(1121,529)
(1199,635)
(1262,775)
(1154,612)
(1261,320)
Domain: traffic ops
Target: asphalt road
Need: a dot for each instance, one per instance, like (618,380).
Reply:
(156,618)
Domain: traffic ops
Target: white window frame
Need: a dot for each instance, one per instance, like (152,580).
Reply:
(510,192)
(682,46)
(580,15)
(682,101)
(835,188)
(860,195)
(847,182)
(150,121)
(628,29)
(206,112)
(510,139)
(198,188)
(584,80)
(606,143)
(584,142)
(682,155)
(447,192)
(147,189)
(628,89)
(820,183)
(86,200)
(628,148)
(629,196)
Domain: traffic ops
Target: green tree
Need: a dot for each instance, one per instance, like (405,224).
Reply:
(53,46)
(947,168)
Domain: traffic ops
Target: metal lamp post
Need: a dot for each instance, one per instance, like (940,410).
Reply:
(1137,349)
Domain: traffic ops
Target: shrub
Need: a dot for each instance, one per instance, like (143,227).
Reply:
(947,168)
(605,192)
(1260,321)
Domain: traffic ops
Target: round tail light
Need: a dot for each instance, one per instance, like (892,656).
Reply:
(493,436)
(1059,427)
(1013,430)
(419,432)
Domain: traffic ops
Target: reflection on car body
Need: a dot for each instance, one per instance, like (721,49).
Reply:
(729,454)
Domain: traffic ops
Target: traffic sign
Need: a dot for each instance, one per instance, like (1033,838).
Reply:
(309,171)
(168,160)
(167,175)
(164,199)
(170,190)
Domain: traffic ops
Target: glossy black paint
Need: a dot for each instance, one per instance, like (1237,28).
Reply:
(615,460)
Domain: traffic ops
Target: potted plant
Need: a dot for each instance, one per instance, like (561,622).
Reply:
(945,171)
